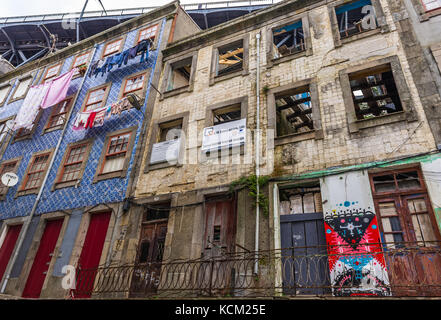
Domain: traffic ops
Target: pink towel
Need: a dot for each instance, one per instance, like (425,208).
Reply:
(58,89)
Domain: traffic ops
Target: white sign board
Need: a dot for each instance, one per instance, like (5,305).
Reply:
(9,179)
(224,135)
(165,151)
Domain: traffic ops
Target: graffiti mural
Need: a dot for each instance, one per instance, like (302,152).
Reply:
(356,263)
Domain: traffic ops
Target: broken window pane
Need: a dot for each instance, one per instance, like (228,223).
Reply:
(230,58)
(408,180)
(374,93)
(301,200)
(288,40)
(294,112)
(170,131)
(384,183)
(227,114)
(179,74)
(350,16)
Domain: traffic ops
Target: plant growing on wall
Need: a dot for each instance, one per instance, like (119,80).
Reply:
(250,183)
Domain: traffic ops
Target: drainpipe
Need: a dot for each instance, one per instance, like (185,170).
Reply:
(257,140)
(34,208)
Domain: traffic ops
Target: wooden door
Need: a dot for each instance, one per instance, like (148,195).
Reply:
(410,237)
(91,253)
(42,259)
(7,247)
(146,276)
(304,255)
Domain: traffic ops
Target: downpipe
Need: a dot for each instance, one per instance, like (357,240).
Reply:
(257,140)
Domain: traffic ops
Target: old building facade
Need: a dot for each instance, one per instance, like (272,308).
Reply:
(327,110)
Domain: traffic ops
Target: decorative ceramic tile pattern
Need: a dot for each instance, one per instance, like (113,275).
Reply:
(86,193)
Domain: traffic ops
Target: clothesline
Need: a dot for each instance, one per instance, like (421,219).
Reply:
(96,118)
(103,66)
(42,96)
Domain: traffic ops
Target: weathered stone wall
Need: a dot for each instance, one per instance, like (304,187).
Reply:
(337,148)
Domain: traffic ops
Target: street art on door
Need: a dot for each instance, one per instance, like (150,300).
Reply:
(356,263)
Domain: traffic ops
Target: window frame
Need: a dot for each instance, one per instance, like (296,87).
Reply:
(72,65)
(317,133)
(58,184)
(270,60)
(58,64)
(31,132)
(420,9)
(48,129)
(209,121)
(154,137)
(215,59)
(167,70)
(141,93)
(408,113)
(120,49)
(19,81)
(382,25)
(107,86)
(121,173)
(17,161)
(20,190)
(2,103)
(8,137)
(155,41)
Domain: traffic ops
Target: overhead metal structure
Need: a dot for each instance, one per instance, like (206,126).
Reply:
(25,38)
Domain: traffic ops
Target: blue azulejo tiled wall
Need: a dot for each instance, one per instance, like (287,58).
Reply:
(86,193)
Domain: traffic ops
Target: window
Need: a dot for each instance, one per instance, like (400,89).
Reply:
(36,170)
(227,114)
(96,98)
(350,16)
(112,47)
(8,166)
(147,33)
(396,182)
(80,59)
(58,115)
(230,58)
(21,88)
(294,112)
(52,72)
(134,84)
(288,40)
(301,199)
(179,74)
(374,93)
(115,156)
(157,211)
(4,92)
(430,5)
(166,148)
(3,130)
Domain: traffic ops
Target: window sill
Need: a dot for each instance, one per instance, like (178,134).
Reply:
(161,165)
(360,35)
(214,79)
(430,14)
(176,91)
(218,154)
(16,99)
(26,137)
(27,192)
(379,121)
(66,184)
(291,56)
(110,175)
(296,137)
(55,128)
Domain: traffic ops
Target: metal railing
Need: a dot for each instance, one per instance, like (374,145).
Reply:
(132,11)
(411,269)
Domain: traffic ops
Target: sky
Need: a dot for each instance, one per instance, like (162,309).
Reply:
(11,8)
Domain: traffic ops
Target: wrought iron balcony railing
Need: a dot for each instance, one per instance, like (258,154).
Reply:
(404,269)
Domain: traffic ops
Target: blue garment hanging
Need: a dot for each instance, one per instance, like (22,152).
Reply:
(352,6)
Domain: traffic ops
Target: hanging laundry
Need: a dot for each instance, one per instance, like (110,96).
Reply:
(90,119)
(80,120)
(99,118)
(58,89)
(31,106)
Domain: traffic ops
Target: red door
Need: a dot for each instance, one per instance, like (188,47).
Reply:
(91,254)
(42,259)
(8,246)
